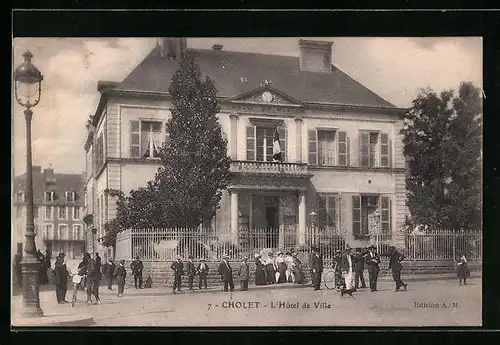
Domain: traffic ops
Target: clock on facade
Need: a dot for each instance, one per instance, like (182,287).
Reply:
(267,97)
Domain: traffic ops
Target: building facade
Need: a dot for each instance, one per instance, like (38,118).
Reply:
(58,210)
(343,152)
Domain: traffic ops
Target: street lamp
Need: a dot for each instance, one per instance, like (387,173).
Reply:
(376,219)
(28,87)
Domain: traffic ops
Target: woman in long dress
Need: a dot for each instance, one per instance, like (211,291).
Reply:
(270,277)
(297,270)
(281,267)
(260,273)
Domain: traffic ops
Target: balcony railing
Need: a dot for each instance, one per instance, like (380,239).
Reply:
(269,167)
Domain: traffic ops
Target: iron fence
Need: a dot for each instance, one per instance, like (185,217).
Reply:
(443,245)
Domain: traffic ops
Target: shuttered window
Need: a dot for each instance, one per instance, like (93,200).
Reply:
(374,149)
(343,149)
(134,139)
(328,211)
(356,215)
(385,219)
(313,147)
(251,143)
(328,148)
(384,150)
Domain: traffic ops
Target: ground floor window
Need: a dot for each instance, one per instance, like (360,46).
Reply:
(328,211)
(365,209)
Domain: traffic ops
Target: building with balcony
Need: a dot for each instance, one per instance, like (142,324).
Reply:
(343,154)
(58,209)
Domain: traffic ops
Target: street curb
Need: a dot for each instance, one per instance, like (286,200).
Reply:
(65,320)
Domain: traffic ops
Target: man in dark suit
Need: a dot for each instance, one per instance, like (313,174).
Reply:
(395,265)
(226,273)
(190,271)
(178,269)
(359,267)
(137,266)
(109,271)
(316,268)
(121,275)
(244,274)
(372,260)
(202,270)
(61,275)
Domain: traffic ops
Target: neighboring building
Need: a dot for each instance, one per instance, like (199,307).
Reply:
(343,151)
(58,209)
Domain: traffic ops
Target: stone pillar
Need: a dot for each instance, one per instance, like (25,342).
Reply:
(298,139)
(233,136)
(234,216)
(301,233)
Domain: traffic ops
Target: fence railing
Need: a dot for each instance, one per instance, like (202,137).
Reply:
(166,244)
(443,245)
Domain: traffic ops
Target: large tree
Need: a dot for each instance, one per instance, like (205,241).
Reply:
(442,137)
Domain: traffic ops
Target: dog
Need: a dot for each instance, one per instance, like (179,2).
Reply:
(345,291)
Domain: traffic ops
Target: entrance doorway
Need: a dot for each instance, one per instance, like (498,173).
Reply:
(272,221)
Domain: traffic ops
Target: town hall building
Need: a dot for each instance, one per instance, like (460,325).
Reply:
(343,165)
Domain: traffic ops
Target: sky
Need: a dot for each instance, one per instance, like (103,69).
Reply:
(394,68)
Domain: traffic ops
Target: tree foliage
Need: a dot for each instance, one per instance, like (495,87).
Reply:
(442,137)
(194,169)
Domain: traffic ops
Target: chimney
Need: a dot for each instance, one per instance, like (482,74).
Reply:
(315,56)
(48,176)
(172,48)
(36,169)
(217,47)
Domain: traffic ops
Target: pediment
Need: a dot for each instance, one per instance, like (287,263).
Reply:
(266,95)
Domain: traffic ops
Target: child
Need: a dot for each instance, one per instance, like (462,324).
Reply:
(462,269)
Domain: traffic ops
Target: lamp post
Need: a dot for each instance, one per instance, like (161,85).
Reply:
(376,219)
(313,219)
(28,87)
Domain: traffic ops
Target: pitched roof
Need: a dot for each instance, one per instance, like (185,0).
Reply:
(63,183)
(226,68)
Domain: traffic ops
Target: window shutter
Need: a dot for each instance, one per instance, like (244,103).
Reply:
(342,149)
(348,151)
(251,143)
(282,133)
(364,149)
(356,215)
(385,219)
(384,150)
(134,139)
(313,147)
(390,153)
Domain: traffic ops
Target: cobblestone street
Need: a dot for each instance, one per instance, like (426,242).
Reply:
(426,303)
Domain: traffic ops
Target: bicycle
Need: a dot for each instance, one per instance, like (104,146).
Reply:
(332,279)
(77,281)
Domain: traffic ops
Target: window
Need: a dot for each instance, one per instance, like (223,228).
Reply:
(19,211)
(70,196)
(374,149)
(146,139)
(48,212)
(62,212)
(76,212)
(99,152)
(48,233)
(20,197)
(77,232)
(260,142)
(63,231)
(328,147)
(364,209)
(328,211)
(50,196)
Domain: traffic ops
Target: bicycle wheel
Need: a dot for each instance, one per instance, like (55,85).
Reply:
(329,280)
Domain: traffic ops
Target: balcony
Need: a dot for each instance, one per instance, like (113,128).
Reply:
(51,236)
(270,168)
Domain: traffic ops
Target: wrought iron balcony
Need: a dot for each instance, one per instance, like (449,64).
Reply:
(257,167)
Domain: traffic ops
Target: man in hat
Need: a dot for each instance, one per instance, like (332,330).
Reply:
(61,275)
(339,279)
(316,268)
(395,265)
(109,270)
(93,276)
(244,274)
(120,275)
(359,267)
(190,271)
(202,270)
(372,260)
(136,266)
(178,268)
(347,267)
(226,273)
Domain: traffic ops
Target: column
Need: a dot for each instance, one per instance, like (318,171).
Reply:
(301,239)
(234,216)
(298,139)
